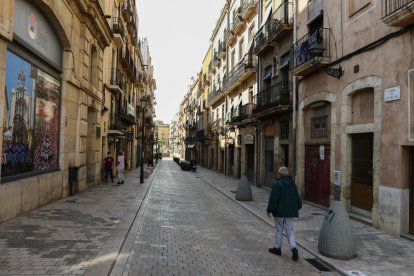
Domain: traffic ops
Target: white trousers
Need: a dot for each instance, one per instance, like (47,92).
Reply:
(287,224)
(121,175)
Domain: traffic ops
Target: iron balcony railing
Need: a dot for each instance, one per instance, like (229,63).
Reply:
(312,47)
(282,15)
(246,4)
(239,71)
(275,95)
(117,26)
(200,135)
(116,123)
(117,79)
(391,6)
(243,112)
(214,93)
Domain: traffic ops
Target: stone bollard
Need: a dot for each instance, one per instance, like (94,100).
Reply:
(244,191)
(336,239)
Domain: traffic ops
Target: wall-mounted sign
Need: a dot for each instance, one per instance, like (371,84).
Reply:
(32,30)
(248,139)
(337,178)
(392,94)
(322,152)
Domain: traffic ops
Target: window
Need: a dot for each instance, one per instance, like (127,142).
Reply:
(356,6)
(233,57)
(31,125)
(319,123)
(284,130)
(241,49)
(251,33)
(275,67)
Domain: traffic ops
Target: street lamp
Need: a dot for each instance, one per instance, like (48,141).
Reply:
(143,100)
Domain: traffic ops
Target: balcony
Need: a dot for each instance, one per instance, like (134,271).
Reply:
(118,31)
(216,127)
(127,61)
(274,98)
(127,10)
(216,59)
(116,126)
(200,135)
(240,73)
(214,95)
(231,37)
(238,23)
(222,50)
(398,13)
(117,84)
(311,52)
(278,25)
(128,115)
(248,9)
(206,80)
(242,113)
(281,21)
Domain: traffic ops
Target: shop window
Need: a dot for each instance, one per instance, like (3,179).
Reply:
(31,125)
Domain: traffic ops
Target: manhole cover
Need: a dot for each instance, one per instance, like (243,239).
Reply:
(320,266)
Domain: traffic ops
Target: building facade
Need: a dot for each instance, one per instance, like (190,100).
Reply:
(55,121)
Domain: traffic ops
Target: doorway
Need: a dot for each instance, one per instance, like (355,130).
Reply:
(231,157)
(317,170)
(269,162)
(411,211)
(362,173)
(250,162)
(92,148)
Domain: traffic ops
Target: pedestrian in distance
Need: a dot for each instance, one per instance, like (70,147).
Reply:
(284,204)
(108,167)
(120,167)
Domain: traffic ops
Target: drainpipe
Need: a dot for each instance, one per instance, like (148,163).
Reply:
(294,93)
(258,81)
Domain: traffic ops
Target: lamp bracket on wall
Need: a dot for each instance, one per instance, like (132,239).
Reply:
(335,72)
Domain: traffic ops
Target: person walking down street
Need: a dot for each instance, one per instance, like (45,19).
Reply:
(120,167)
(284,204)
(109,164)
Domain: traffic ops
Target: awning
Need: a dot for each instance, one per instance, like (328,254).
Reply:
(114,132)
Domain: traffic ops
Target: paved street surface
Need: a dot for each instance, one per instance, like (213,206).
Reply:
(179,223)
(189,228)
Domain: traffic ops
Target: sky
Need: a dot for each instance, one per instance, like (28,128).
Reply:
(179,34)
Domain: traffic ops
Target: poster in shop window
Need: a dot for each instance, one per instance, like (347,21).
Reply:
(30,119)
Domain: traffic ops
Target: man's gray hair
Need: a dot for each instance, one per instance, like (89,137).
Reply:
(283,171)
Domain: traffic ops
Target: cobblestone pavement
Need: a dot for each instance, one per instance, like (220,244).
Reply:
(379,253)
(186,227)
(73,236)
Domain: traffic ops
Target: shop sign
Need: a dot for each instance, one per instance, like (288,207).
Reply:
(322,152)
(33,31)
(248,139)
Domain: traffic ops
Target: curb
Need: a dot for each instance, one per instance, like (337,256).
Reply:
(324,262)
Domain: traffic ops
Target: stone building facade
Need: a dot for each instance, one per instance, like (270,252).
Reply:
(56,78)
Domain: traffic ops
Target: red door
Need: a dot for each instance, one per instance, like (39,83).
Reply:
(317,170)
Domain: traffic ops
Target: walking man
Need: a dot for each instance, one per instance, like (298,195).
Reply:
(284,203)
(120,167)
(109,164)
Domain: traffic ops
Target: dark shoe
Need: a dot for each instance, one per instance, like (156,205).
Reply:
(122,182)
(118,183)
(275,251)
(295,254)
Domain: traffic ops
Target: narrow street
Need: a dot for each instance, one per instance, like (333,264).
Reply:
(186,227)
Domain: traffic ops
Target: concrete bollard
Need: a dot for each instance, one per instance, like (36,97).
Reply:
(244,191)
(336,239)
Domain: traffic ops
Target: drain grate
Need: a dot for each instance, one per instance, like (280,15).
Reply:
(320,266)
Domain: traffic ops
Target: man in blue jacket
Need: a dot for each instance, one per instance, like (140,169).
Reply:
(284,203)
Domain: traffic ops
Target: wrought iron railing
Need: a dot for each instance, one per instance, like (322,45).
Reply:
(247,4)
(214,93)
(117,79)
(117,26)
(239,70)
(312,47)
(275,95)
(319,126)
(391,6)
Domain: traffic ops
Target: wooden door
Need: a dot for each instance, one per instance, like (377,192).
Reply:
(269,164)
(317,172)
(250,162)
(411,219)
(362,171)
